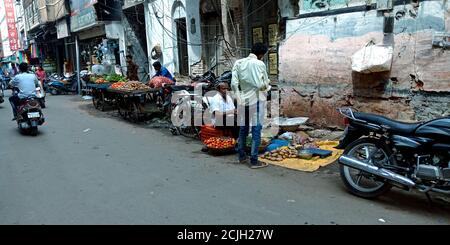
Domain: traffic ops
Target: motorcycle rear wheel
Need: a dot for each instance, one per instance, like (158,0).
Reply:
(371,187)
(34,131)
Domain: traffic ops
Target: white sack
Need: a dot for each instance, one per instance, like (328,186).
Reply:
(373,58)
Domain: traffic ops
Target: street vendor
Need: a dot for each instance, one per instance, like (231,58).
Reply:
(132,69)
(223,110)
(162,71)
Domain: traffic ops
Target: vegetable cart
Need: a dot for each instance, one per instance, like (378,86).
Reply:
(101,97)
(133,105)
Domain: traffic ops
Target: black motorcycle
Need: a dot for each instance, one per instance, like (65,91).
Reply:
(381,153)
(2,95)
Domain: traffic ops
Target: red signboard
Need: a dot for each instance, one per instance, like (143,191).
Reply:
(11,22)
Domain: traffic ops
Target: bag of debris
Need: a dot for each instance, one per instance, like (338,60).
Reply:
(373,58)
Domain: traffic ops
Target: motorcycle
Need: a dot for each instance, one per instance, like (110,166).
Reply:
(66,85)
(29,116)
(2,95)
(187,101)
(381,153)
(40,97)
(4,83)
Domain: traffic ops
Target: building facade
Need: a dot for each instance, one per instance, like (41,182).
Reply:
(311,44)
(315,59)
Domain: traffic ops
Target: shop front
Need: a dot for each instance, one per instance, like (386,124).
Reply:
(44,49)
(96,35)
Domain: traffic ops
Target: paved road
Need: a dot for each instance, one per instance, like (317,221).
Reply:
(119,173)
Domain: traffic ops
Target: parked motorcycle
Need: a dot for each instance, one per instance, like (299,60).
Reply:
(188,101)
(66,85)
(2,95)
(29,116)
(4,83)
(381,153)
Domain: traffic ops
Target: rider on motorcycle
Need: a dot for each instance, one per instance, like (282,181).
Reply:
(26,84)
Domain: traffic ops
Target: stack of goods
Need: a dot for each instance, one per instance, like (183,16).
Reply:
(101,81)
(93,78)
(133,86)
(118,85)
(115,78)
(159,82)
(281,154)
(209,131)
(220,143)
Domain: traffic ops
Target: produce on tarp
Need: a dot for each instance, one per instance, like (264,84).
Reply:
(281,154)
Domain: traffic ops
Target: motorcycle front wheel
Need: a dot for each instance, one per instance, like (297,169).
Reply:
(360,183)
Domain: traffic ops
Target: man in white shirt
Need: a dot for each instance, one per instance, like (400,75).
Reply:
(222,107)
(26,84)
(250,83)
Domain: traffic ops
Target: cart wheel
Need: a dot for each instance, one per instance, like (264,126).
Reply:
(122,112)
(134,113)
(95,101)
(190,132)
(102,101)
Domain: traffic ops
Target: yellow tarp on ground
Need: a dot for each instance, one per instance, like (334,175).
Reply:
(313,164)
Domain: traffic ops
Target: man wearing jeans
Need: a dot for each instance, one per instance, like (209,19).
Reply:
(250,83)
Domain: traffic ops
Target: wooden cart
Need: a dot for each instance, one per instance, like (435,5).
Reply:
(101,97)
(137,104)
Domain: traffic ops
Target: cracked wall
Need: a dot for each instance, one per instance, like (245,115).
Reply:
(315,65)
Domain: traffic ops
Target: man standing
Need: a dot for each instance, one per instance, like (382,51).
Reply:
(132,69)
(250,83)
(26,84)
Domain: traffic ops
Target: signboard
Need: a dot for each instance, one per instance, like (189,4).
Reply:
(11,23)
(258,36)
(82,14)
(322,5)
(273,35)
(273,63)
(62,29)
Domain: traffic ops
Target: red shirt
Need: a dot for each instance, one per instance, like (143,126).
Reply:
(41,75)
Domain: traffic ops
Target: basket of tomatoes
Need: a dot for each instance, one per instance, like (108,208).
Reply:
(221,145)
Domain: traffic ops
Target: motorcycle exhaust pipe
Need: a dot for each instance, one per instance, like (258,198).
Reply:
(380,172)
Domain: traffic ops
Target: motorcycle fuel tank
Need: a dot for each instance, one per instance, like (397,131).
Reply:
(438,129)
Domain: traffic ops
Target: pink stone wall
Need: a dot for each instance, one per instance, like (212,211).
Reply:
(316,76)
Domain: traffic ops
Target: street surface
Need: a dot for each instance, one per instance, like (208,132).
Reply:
(91,167)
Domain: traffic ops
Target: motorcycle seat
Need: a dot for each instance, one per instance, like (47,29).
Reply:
(395,126)
(176,88)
